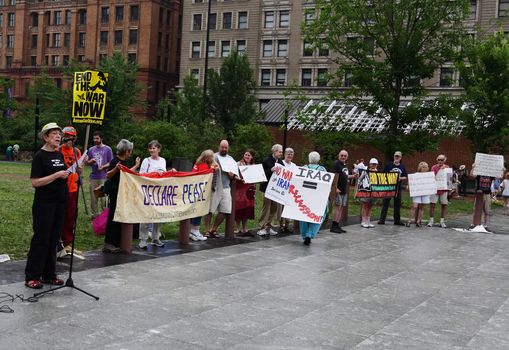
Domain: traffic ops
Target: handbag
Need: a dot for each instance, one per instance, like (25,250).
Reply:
(99,223)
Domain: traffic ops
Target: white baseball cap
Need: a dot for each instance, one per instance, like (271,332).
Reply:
(373,161)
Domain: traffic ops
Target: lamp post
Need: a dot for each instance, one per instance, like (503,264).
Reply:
(285,130)
(205,73)
(36,122)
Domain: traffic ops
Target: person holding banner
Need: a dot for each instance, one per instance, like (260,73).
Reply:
(284,224)
(204,162)
(270,207)
(245,198)
(152,164)
(308,230)
(441,195)
(418,202)
(367,202)
(49,178)
(113,228)
(395,166)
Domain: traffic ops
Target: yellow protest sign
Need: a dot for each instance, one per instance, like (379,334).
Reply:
(89,97)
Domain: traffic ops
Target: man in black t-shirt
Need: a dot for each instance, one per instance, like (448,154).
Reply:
(341,196)
(395,165)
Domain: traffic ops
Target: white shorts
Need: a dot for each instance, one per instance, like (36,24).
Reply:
(221,201)
(434,198)
(421,200)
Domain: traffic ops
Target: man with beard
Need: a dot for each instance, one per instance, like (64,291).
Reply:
(99,157)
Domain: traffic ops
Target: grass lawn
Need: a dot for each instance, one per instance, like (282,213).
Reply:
(16,196)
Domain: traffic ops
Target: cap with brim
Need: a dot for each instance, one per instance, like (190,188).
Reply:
(462,167)
(50,126)
(398,153)
(373,161)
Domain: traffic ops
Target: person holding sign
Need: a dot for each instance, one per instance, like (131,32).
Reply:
(270,207)
(113,228)
(284,224)
(441,194)
(504,187)
(49,178)
(367,202)
(418,202)
(308,230)
(483,184)
(341,196)
(245,198)
(394,166)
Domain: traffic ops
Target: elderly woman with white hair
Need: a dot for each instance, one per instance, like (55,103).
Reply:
(309,230)
(124,152)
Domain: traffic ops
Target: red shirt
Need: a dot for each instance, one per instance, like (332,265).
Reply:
(200,167)
(69,159)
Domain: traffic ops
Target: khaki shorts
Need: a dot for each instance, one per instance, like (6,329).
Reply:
(434,198)
(340,200)
(221,201)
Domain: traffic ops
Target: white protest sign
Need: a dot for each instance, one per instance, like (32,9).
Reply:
(309,195)
(228,164)
(72,168)
(422,184)
(253,173)
(488,165)
(279,184)
(444,179)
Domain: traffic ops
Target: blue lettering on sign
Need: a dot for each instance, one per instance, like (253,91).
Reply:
(282,183)
(192,193)
(156,195)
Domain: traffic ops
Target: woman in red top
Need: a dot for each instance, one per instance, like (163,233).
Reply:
(204,162)
(245,198)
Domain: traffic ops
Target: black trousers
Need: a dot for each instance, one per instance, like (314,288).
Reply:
(113,229)
(48,220)
(397,208)
(463,187)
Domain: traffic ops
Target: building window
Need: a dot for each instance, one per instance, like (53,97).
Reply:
(68,17)
(35,19)
(11,20)
(225,48)
(195,49)
(446,75)
(503,8)
(322,77)
(105,14)
(370,46)
(282,48)
(167,41)
(227,20)
(47,40)
(12,2)
(34,41)
(323,50)
(280,77)
(307,49)
(8,61)
(166,64)
(33,61)
(348,78)
(241,47)
(10,41)
(55,60)
(211,49)
(82,17)
(161,16)
(66,60)
(119,13)
(473,9)
(413,81)
(212,21)
(58,18)
(195,74)
(81,58)
(67,40)
(103,38)
(267,48)
(131,57)
(197,22)
(159,40)
(58,83)
(306,77)
(118,37)
(242,20)
(56,40)
(168,18)
(81,39)
(46,60)
(133,36)
(284,19)
(265,77)
(309,17)
(158,64)
(268,21)
(1,40)
(135,12)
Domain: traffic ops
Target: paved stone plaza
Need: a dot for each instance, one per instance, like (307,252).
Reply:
(383,288)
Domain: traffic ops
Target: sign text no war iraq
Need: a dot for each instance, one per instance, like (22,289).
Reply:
(89,97)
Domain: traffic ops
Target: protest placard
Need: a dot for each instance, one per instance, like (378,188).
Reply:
(488,165)
(308,195)
(228,164)
(444,179)
(162,198)
(89,97)
(422,184)
(279,184)
(72,168)
(253,173)
(377,184)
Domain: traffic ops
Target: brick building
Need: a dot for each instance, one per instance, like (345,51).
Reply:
(36,34)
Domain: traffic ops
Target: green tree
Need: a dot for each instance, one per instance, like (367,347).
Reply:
(6,102)
(385,49)
(230,96)
(188,109)
(485,79)
(251,136)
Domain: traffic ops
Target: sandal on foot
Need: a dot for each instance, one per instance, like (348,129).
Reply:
(34,284)
(214,234)
(55,281)
(206,234)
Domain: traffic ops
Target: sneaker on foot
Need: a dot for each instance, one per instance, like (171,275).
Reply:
(262,232)
(200,236)
(272,232)
(68,249)
(443,225)
(62,253)
(430,224)
(370,225)
(142,244)
(157,243)
(364,225)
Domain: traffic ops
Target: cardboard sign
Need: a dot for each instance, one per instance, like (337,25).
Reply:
(444,179)
(377,184)
(166,197)
(228,164)
(252,173)
(89,97)
(422,184)
(279,184)
(489,165)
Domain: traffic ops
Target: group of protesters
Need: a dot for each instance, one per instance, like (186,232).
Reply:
(57,166)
